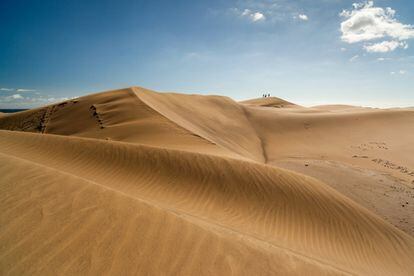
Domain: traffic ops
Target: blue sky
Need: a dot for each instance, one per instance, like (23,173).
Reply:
(309,52)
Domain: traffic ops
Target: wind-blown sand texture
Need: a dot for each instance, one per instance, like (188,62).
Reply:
(133,181)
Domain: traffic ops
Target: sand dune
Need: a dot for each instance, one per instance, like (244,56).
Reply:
(114,115)
(57,223)
(137,182)
(346,136)
(269,102)
(218,119)
(347,150)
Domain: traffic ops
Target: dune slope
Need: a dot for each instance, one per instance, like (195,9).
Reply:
(260,203)
(114,115)
(365,154)
(57,223)
(215,118)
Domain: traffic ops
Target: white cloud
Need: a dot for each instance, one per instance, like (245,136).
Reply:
(401,72)
(303,17)
(12,98)
(246,12)
(343,49)
(383,59)
(253,16)
(385,46)
(365,22)
(17,100)
(270,11)
(16,97)
(25,90)
(17,89)
(354,58)
(257,16)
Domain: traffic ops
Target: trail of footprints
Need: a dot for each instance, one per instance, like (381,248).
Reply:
(44,121)
(371,146)
(95,114)
(46,117)
(390,165)
(385,163)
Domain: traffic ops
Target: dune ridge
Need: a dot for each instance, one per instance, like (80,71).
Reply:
(205,164)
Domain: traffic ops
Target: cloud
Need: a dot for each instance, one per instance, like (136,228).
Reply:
(383,59)
(17,89)
(354,58)
(303,17)
(365,22)
(385,46)
(16,97)
(343,49)
(19,101)
(54,100)
(246,12)
(270,11)
(25,90)
(253,16)
(257,16)
(401,72)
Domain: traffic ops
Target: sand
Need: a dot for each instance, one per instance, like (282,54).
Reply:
(133,181)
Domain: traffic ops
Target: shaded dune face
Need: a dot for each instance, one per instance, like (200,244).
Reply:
(215,118)
(141,182)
